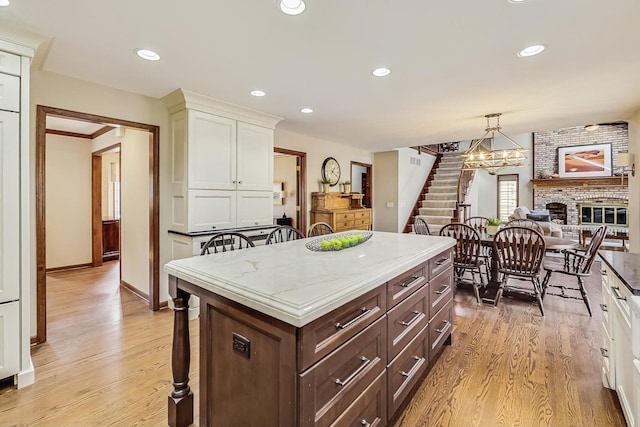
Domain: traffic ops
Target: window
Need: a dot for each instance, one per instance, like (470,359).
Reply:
(508,198)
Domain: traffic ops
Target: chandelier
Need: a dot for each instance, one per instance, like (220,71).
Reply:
(491,159)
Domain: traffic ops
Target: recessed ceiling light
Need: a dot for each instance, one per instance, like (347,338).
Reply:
(531,50)
(4,3)
(292,7)
(381,72)
(307,110)
(147,54)
(257,93)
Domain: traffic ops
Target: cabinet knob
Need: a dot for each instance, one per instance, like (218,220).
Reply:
(234,181)
(239,182)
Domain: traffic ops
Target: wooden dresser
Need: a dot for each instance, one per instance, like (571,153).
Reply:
(342,211)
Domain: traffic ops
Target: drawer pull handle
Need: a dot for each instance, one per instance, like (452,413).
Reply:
(604,351)
(364,312)
(616,293)
(604,308)
(603,272)
(413,319)
(415,278)
(443,289)
(365,423)
(414,368)
(442,261)
(346,381)
(444,327)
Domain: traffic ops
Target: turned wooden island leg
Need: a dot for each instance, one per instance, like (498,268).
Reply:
(181,398)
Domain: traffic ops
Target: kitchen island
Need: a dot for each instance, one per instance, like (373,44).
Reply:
(292,337)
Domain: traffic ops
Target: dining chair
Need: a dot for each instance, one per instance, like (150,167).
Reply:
(576,263)
(226,241)
(519,253)
(479,223)
(527,223)
(319,229)
(420,226)
(284,233)
(467,257)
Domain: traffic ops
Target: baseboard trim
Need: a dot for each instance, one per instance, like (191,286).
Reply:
(68,267)
(164,304)
(134,290)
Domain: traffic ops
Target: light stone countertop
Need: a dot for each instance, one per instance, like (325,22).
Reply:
(291,283)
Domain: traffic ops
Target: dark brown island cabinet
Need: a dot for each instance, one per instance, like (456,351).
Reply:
(293,337)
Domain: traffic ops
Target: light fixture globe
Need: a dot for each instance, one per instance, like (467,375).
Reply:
(483,155)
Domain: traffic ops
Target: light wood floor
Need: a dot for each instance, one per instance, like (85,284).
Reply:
(107,363)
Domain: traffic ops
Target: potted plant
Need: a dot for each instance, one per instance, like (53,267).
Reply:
(325,184)
(346,185)
(493,224)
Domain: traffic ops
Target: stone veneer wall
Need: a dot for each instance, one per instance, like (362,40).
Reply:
(546,160)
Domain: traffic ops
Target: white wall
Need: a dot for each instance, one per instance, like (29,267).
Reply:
(317,150)
(483,195)
(356,178)
(413,170)
(634,185)
(68,199)
(400,176)
(284,170)
(385,191)
(107,188)
(55,90)
(134,212)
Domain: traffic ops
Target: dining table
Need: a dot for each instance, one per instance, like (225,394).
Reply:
(552,245)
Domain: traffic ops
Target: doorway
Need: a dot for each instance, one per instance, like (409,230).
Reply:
(151,174)
(290,171)
(362,182)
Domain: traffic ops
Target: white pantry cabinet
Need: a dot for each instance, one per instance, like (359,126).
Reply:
(15,354)
(222,164)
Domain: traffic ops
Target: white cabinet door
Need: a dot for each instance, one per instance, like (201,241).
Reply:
(211,210)
(9,207)
(9,92)
(255,158)
(255,208)
(212,152)
(9,339)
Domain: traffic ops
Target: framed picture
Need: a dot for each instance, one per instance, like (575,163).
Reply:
(278,193)
(584,161)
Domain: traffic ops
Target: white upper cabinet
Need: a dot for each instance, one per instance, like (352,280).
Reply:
(212,152)
(254,162)
(9,206)
(219,148)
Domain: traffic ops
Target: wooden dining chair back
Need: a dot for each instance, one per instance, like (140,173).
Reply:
(225,242)
(479,223)
(519,253)
(527,223)
(319,229)
(284,233)
(467,257)
(576,263)
(420,226)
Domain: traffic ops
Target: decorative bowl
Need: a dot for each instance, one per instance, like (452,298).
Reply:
(316,245)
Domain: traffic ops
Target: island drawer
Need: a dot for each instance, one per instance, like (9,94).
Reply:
(405,320)
(608,365)
(440,329)
(405,371)
(370,408)
(327,389)
(440,262)
(441,290)
(325,334)
(401,287)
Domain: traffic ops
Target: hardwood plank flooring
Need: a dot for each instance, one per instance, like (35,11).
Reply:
(508,366)
(107,362)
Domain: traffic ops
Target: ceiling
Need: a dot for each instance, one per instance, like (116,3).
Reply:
(452,62)
(73,126)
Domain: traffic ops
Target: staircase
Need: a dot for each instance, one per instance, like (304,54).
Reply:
(439,203)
